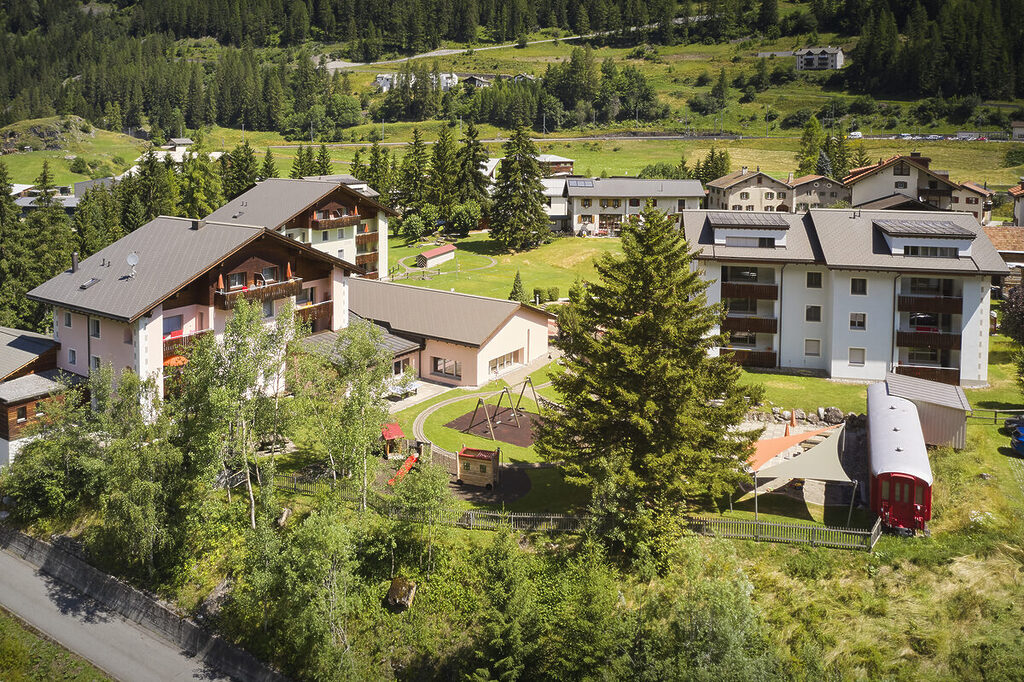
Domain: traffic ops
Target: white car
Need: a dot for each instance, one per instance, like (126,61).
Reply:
(856,135)
(906,136)
(934,137)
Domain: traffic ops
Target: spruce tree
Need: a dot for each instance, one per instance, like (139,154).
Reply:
(860,157)
(648,417)
(518,220)
(157,187)
(299,165)
(322,165)
(824,165)
(518,292)
(97,220)
(413,183)
(201,192)
(470,181)
(443,173)
(44,185)
(356,167)
(378,171)
(811,143)
(269,168)
(241,171)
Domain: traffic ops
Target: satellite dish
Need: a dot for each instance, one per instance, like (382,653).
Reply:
(133,260)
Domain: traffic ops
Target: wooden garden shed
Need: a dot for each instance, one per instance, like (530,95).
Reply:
(434,257)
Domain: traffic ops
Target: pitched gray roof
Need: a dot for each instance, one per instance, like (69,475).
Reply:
(924,228)
(19,347)
(171,254)
(801,245)
(924,391)
(30,386)
(750,220)
(636,187)
(275,201)
(418,311)
(849,241)
(326,340)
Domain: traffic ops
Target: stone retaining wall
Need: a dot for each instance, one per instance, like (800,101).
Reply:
(138,608)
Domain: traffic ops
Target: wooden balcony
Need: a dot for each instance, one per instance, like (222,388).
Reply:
(317,311)
(930,304)
(750,357)
(367,242)
(918,339)
(767,292)
(758,325)
(178,345)
(225,300)
(943,375)
(333,223)
(368,261)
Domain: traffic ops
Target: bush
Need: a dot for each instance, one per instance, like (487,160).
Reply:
(1014,156)
(80,166)
(553,294)
(540,295)
(703,79)
(798,119)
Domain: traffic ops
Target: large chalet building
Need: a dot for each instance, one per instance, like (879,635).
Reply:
(28,376)
(744,190)
(334,214)
(852,294)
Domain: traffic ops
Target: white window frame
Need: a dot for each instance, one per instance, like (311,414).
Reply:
(861,279)
(67,319)
(95,363)
(812,355)
(94,325)
(807,311)
(863,360)
(864,324)
(821,280)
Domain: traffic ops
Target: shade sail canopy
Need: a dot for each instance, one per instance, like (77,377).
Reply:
(770,448)
(820,463)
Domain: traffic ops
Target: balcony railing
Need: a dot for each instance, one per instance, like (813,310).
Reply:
(768,292)
(913,338)
(332,223)
(368,261)
(930,304)
(315,311)
(750,357)
(759,325)
(225,300)
(944,375)
(177,345)
(368,239)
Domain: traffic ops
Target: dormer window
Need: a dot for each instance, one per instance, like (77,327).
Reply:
(931,251)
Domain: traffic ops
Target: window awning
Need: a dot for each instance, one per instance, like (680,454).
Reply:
(820,463)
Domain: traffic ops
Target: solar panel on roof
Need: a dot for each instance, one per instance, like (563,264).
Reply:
(581,183)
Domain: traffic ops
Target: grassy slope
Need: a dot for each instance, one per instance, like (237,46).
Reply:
(26,655)
(98,145)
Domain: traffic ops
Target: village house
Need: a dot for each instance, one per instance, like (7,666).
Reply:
(909,176)
(387,81)
(745,191)
(1017,194)
(461,339)
(975,199)
(28,377)
(1009,243)
(552,164)
(475,81)
(852,294)
(599,206)
(819,58)
(556,204)
(1017,130)
(139,302)
(337,215)
(816,191)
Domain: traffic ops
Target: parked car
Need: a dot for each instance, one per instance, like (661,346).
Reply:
(905,136)
(934,137)
(856,135)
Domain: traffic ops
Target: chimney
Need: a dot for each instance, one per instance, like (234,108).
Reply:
(743,170)
(789,178)
(74,262)
(915,155)
(198,224)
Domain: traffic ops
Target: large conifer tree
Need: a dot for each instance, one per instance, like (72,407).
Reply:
(241,171)
(470,181)
(443,171)
(518,220)
(647,415)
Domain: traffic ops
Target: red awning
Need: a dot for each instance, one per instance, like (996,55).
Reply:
(391,432)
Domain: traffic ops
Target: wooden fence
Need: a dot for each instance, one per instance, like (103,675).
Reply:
(993,416)
(769,531)
(475,519)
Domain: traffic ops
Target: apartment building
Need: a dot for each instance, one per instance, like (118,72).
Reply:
(744,190)
(139,302)
(852,294)
(336,214)
(819,58)
(599,206)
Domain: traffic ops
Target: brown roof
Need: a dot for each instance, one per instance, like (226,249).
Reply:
(444,248)
(731,179)
(858,174)
(1006,238)
(1017,191)
(975,187)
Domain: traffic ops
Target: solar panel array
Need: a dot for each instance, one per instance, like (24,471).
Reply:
(578,182)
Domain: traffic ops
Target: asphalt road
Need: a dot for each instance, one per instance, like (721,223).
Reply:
(121,649)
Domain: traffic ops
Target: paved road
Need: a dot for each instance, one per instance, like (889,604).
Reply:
(119,648)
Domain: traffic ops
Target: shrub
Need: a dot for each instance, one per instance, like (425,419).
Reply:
(1014,156)
(80,166)
(798,119)
(540,295)
(703,79)
(553,294)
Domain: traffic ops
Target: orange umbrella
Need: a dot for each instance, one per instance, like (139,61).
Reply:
(175,361)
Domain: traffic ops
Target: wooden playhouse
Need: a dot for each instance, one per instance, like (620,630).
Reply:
(479,467)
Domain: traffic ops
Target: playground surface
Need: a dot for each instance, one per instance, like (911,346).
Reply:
(514,484)
(506,430)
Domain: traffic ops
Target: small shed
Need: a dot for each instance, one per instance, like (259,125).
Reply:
(434,257)
(942,408)
(391,434)
(479,467)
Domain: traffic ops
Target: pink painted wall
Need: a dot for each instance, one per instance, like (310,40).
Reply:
(467,355)
(526,331)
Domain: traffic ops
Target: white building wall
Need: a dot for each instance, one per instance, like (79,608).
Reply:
(877,337)
(974,333)
(793,326)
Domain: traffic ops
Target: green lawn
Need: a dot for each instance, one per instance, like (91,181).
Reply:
(556,264)
(808,393)
(27,655)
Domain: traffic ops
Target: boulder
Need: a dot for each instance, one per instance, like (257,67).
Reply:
(812,418)
(800,414)
(985,476)
(787,415)
(401,593)
(776,410)
(821,413)
(833,415)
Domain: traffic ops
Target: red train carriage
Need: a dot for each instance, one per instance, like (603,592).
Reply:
(901,475)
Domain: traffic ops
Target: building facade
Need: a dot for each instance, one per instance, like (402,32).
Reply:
(817,191)
(1017,195)
(819,58)
(28,378)
(743,190)
(909,176)
(873,291)
(975,199)
(599,206)
(337,215)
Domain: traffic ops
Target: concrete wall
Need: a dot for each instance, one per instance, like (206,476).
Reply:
(793,325)
(72,338)
(756,195)
(467,355)
(138,608)
(876,339)
(974,333)
(526,331)
(818,193)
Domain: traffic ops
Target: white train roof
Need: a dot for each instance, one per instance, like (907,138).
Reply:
(895,436)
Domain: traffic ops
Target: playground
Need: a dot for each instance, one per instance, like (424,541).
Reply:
(500,422)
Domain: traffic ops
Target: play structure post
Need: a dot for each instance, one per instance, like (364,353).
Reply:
(472,420)
(505,392)
(522,392)
(849,513)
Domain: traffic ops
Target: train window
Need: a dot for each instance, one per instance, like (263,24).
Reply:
(899,489)
(885,489)
(919,495)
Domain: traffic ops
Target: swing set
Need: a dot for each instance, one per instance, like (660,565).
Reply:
(514,408)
